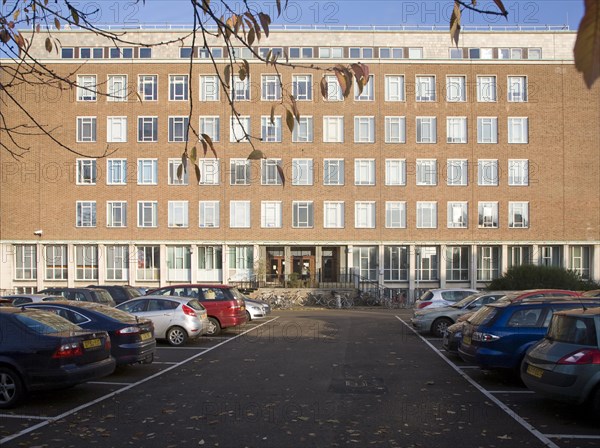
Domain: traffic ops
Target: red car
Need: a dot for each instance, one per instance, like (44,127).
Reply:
(224,304)
(538,293)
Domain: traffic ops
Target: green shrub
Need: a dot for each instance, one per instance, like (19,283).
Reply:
(532,277)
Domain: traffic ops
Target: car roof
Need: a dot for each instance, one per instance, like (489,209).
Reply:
(159,296)
(591,293)
(583,311)
(71,304)
(30,296)
(198,285)
(542,300)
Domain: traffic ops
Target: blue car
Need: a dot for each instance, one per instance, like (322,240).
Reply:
(497,336)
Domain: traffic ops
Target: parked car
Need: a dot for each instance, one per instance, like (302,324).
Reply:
(452,337)
(538,293)
(21,299)
(256,309)
(498,335)
(224,304)
(40,350)
(132,339)
(565,365)
(592,293)
(96,295)
(175,319)
(435,298)
(436,320)
(120,293)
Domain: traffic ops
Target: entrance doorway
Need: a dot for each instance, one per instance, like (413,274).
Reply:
(303,264)
(275,269)
(329,263)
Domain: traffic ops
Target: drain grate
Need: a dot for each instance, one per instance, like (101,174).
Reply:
(361,385)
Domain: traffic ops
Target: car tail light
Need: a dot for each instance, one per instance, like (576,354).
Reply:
(187,310)
(129,330)
(484,337)
(586,356)
(424,304)
(237,305)
(69,350)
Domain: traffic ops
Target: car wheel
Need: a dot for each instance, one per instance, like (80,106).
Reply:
(214,327)
(11,388)
(248,316)
(439,326)
(176,336)
(149,359)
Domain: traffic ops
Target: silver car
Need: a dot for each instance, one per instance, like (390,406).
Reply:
(256,309)
(175,319)
(435,298)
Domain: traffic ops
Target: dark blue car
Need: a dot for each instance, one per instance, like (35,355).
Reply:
(498,335)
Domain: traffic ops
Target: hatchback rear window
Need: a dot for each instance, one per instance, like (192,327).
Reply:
(194,304)
(46,323)
(484,315)
(573,330)
(426,296)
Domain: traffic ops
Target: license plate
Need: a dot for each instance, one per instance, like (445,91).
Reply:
(145,336)
(467,340)
(535,371)
(92,343)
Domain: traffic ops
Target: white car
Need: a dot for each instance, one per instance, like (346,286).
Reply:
(256,309)
(435,298)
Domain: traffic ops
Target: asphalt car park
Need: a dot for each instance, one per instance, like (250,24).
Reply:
(301,377)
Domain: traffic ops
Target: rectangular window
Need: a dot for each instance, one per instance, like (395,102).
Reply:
(241,257)
(395,172)
(518,173)
(426,129)
(425,88)
(239,214)
(209,171)
(270,214)
(147,214)
(67,53)
(302,214)
(394,88)
(487,130)
(148,87)
(486,89)
(147,129)
(86,129)
(301,52)
(334,90)
(240,88)
(395,215)
(116,214)
(273,51)
(302,87)
(333,214)
(117,262)
(209,212)
(86,259)
(457,215)
(364,171)
(517,89)
(518,215)
(116,171)
(518,130)
(457,172)
(426,172)
(456,53)
(25,262)
(148,262)
(426,215)
(270,131)
(333,172)
(550,256)
(391,53)
(239,171)
(239,129)
(519,255)
(488,263)
(534,53)
(117,88)
(270,171)
(211,126)
(361,53)
(516,53)
(364,215)
(456,129)
(85,214)
(415,53)
(368,90)
(178,129)
(331,52)
(174,178)
(487,172)
(86,88)
(178,88)
(581,261)
(302,172)
(456,90)
(178,213)
(91,53)
(147,171)
(271,88)
(56,262)
(116,129)
(86,172)
(333,129)
(488,215)
(209,88)
(457,263)
(145,53)
(395,130)
(395,265)
(364,129)
(303,130)
(185,52)
(117,53)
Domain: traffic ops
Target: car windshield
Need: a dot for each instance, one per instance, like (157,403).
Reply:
(46,323)
(573,330)
(483,316)
(464,302)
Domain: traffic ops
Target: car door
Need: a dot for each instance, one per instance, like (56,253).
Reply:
(162,314)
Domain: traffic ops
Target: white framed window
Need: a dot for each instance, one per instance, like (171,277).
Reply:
(534,53)
(271,88)
(487,130)
(333,129)
(425,89)
(240,171)
(270,172)
(147,171)
(364,171)
(481,53)
(302,214)
(518,215)
(361,53)
(270,214)
(456,89)
(426,129)
(86,129)
(239,214)
(86,88)
(426,172)
(148,262)
(456,53)
(239,53)
(240,88)
(486,89)
(581,261)
(25,262)
(117,88)
(117,262)
(333,214)
(178,214)
(209,171)
(395,215)
(116,214)
(303,130)
(517,89)
(301,52)
(457,172)
(211,126)
(239,129)
(489,261)
(331,52)
(145,53)
(458,215)
(518,130)
(334,90)
(57,262)
(391,53)
(208,214)
(302,87)
(147,129)
(395,172)
(364,214)
(86,262)
(488,215)
(147,214)
(274,51)
(518,172)
(426,215)
(178,87)
(86,172)
(457,263)
(116,129)
(178,129)
(85,214)
(148,87)
(333,172)
(368,90)
(456,129)
(395,129)
(270,131)
(364,129)
(116,171)
(302,171)
(394,88)
(209,88)
(173,178)
(415,53)
(487,172)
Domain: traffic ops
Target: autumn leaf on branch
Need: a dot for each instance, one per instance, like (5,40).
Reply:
(587,46)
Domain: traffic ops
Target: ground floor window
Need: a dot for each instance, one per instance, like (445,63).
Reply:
(581,261)
(395,263)
(56,262)
(550,255)
(148,262)
(25,262)
(241,257)
(488,263)
(86,257)
(427,260)
(457,263)
(519,255)
(210,257)
(366,261)
(117,262)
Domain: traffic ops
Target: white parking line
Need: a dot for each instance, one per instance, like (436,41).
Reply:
(163,362)
(543,438)
(467,367)
(110,383)
(24,417)
(187,348)
(511,391)
(572,436)
(49,420)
